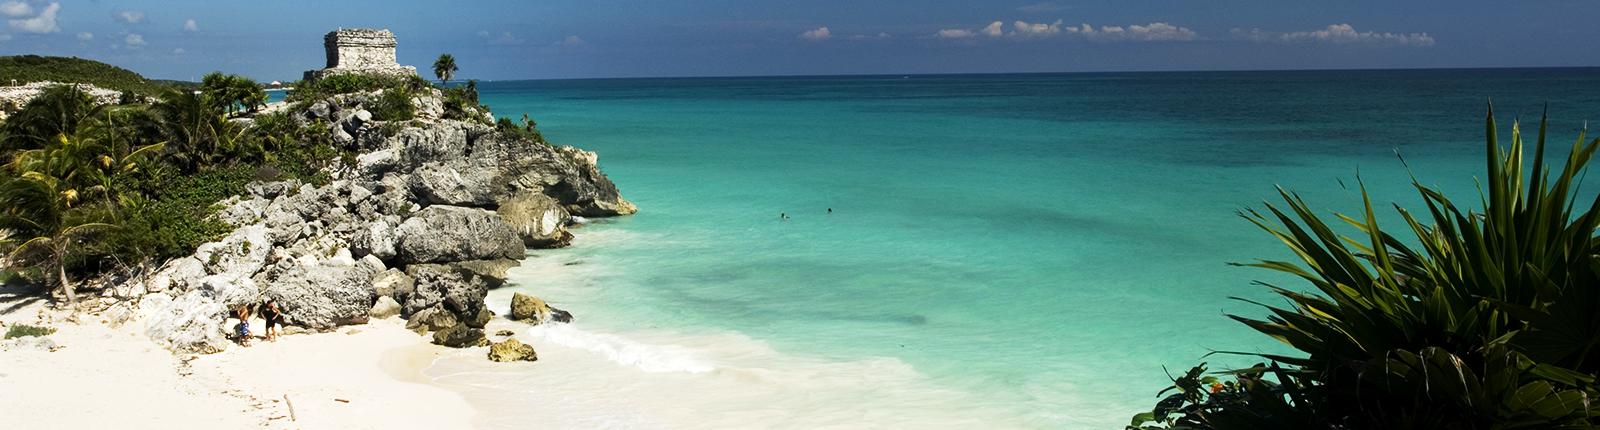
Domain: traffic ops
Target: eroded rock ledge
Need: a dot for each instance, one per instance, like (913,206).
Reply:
(429,217)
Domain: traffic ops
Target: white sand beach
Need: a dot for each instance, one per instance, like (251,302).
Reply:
(100,376)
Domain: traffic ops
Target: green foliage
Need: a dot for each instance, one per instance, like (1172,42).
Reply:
(230,93)
(445,68)
(34,68)
(21,330)
(1489,321)
(461,103)
(528,130)
(352,83)
(177,217)
(394,105)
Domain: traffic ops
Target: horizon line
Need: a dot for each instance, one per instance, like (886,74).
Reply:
(1080,72)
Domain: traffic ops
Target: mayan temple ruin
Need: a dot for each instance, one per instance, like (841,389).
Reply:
(360,50)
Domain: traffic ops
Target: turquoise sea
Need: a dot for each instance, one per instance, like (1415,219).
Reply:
(1024,251)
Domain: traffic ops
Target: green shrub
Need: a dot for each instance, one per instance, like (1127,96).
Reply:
(352,83)
(34,68)
(21,330)
(1458,320)
(394,105)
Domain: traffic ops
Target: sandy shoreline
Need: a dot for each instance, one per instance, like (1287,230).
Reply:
(105,375)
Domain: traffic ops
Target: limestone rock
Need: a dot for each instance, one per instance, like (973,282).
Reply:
(389,282)
(179,275)
(431,319)
(384,308)
(441,234)
(539,219)
(481,319)
(534,310)
(512,350)
(322,295)
(193,321)
(460,336)
(241,253)
(454,289)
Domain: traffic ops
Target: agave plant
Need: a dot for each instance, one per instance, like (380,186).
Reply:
(1475,320)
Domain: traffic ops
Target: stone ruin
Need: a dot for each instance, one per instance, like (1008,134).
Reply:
(360,51)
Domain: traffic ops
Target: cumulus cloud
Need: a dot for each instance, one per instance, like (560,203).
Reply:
(862,37)
(129,16)
(134,40)
(85,36)
(179,51)
(1025,29)
(505,38)
(821,33)
(573,41)
(954,33)
(16,9)
(1338,34)
(190,25)
(995,29)
(42,23)
(1152,32)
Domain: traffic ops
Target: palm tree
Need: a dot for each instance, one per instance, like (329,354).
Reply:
(44,225)
(445,68)
(195,133)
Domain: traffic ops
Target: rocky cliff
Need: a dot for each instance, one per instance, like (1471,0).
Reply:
(428,216)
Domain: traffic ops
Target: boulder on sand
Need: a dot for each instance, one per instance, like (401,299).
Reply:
(512,350)
(534,310)
(460,336)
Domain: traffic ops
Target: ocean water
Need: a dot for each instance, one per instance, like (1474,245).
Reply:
(1004,251)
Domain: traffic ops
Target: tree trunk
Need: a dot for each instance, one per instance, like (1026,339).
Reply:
(61,268)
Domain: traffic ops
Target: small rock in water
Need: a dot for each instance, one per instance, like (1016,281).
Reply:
(512,350)
(505,333)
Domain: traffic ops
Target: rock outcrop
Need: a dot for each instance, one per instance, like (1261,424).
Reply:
(512,350)
(430,214)
(531,309)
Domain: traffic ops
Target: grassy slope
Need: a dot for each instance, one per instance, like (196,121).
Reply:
(34,68)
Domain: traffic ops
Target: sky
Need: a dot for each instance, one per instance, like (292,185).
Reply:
(502,39)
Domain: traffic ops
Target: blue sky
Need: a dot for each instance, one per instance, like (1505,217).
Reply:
(499,39)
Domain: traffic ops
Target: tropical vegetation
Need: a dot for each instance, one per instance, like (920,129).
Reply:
(87,188)
(1457,318)
(445,68)
(34,68)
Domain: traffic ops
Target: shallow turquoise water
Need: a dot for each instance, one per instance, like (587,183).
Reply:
(1046,243)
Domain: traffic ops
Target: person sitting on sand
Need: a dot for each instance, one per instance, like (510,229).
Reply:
(274,319)
(242,330)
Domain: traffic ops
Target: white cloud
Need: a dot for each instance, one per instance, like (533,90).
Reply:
(179,51)
(1152,32)
(16,9)
(44,22)
(880,35)
(954,33)
(1346,33)
(190,25)
(129,16)
(505,38)
(1337,34)
(134,40)
(1025,29)
(821,33)
(85,36)
(995,29)
(573,41)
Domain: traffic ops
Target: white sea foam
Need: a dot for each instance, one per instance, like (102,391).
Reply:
(621,350)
